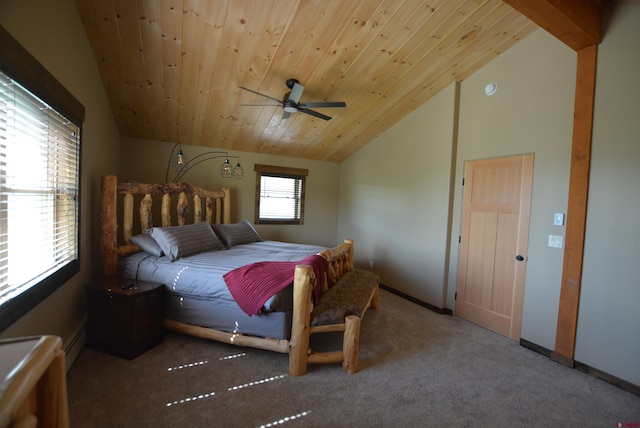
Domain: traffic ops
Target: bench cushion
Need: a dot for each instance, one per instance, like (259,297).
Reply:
(349,296)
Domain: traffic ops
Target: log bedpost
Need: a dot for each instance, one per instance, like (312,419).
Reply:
(301,322)
(350,262)
(109,226)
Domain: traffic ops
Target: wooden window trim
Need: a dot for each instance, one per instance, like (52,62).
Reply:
(281,171)
(21,66)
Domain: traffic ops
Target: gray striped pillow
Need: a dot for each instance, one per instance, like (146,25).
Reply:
(236,233)
(183,241)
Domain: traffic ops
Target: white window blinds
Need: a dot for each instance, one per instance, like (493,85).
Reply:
(39,184)
(280,198)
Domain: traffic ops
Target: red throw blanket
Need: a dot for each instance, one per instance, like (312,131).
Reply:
(252,285)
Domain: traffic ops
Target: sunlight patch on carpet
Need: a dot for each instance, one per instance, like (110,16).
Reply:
(187,366)
(231,357)
(286,419)
(257,382)
(190,399)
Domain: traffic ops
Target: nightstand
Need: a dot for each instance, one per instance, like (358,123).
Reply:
(124,316)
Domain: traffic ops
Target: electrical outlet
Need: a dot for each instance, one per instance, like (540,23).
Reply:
(555,241)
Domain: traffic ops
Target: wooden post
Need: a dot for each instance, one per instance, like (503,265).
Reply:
(52,394)
(146,219)
(182,209)
(109,226)
(375,299)
(350,261)
(197,209)
(350,344)
(226,206)
(165,210)
(577,208)
(301,322)
(208,207)
(128,218)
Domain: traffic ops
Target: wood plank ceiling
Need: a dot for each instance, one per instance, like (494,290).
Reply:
(172,68)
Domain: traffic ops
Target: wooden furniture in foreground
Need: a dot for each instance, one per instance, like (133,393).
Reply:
(124,316)
(340,262)
(341,308)
(33,388)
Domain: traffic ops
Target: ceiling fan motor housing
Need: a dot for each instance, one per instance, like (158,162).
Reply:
(291,82)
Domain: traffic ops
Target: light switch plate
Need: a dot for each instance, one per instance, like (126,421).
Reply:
(558,219)
(555,241)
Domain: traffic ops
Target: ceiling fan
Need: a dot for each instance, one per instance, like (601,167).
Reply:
(292,104)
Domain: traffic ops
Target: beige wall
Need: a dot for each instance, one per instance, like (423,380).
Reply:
(53,33)
(399,218)
(531,112)
(394,201)
(146,161)
(609,321)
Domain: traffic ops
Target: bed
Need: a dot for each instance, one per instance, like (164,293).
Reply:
(182,254)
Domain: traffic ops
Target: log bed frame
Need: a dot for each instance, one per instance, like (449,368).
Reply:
(217,210)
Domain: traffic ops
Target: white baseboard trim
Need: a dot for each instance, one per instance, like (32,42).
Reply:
(75,343)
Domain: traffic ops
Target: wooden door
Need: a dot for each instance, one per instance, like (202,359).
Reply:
(493,243)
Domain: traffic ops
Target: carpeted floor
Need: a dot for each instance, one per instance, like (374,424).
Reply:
(418,368)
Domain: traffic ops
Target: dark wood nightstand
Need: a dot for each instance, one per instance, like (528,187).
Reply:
(124,319)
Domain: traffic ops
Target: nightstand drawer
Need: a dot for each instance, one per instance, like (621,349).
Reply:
(124,321)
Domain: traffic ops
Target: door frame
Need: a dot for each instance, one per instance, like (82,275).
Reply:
(521,247)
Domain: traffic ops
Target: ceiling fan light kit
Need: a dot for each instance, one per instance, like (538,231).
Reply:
(291,102)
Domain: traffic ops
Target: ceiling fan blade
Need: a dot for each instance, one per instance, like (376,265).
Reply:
(262,95)
(314,113)
(321,104)
(296,92)
(261,105)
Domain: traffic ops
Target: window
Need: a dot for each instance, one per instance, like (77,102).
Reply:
(39,182)
(279,195)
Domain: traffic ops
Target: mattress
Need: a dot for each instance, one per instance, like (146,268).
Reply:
(197,294)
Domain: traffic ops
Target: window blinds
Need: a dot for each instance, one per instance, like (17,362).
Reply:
(39,184)
(280,198)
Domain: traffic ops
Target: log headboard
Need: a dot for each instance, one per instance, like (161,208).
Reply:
(217,205)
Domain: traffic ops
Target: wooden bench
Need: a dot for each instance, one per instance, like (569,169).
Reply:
(350,292)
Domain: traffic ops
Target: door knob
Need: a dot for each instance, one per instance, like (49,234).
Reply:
(519,258)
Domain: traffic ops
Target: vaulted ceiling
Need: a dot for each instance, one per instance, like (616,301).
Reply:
(172,69)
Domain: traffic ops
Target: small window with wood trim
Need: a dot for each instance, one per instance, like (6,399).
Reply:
(279,194)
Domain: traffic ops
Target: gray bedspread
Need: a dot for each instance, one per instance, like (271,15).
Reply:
(201,275)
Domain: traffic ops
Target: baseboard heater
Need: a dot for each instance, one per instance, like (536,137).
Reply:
(75,343)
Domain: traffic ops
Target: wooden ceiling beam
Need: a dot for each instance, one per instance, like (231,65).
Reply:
(577,23)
